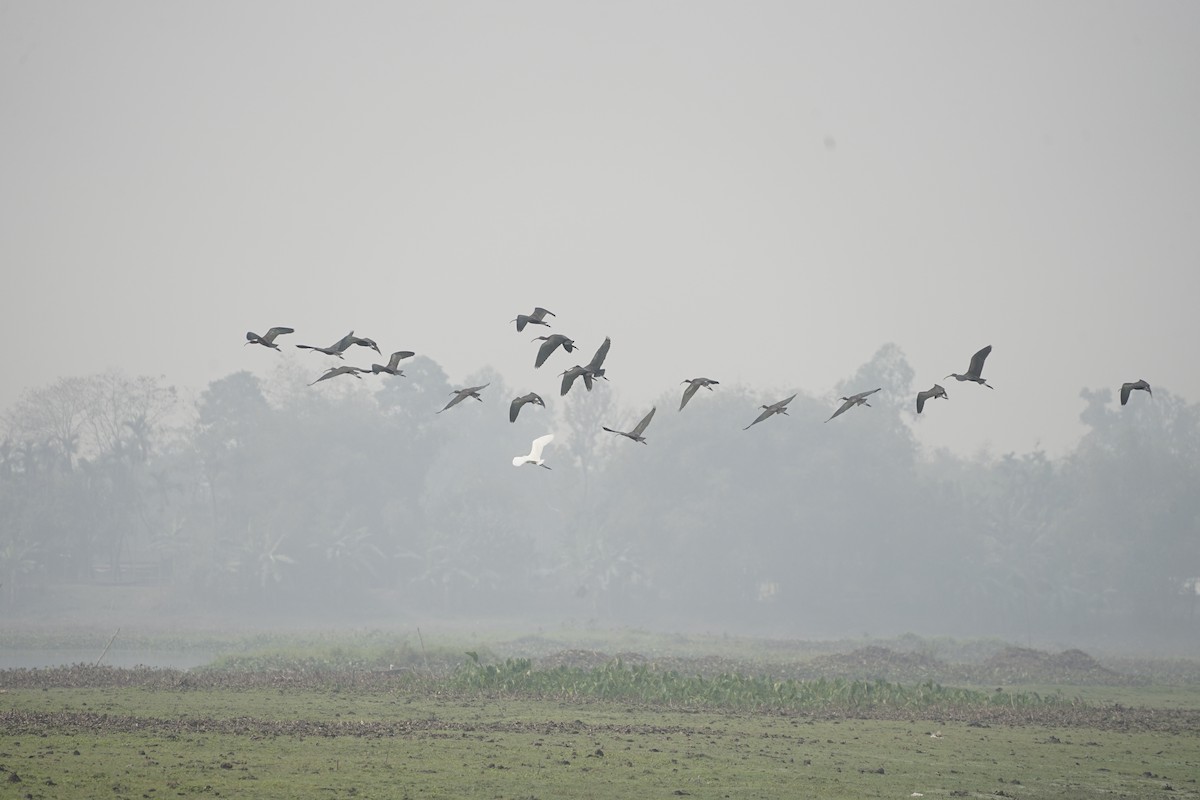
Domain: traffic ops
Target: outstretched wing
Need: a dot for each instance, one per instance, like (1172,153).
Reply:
(514,408)
(398,356)
(976,368)
(935,392)
(547,348)
(598,360)
(539,444)
(342,344)
(333,372)
(1126,388)
(850,402)
(278,331)
(539,314)
(458,398)
(864,395)
(768,412)
(329,351)
(782,403)
(641,426)
(569,377)
(693,386)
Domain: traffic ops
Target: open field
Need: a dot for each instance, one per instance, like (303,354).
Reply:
(372,719)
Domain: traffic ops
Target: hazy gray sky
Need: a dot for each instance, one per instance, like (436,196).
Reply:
(759,193)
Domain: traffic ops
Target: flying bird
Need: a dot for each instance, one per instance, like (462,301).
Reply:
(538,317)
(929,394)
(349,340)
(342,345)
(463,394)
(535,452)
(639,429)
(515,407)
(593,370)
(549,343)
(569,376)
(329,351)
(334,349)
(974,372)
(392,367)
(853,400)
(333,372)
(693,385)
(774,408)
(268,340)
(596,366)
(1126,388)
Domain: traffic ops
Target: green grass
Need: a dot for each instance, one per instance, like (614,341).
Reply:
(645,684)
(1149,696)
(405,744)
(322,715)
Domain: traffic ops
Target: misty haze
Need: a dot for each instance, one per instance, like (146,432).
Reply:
(463,399)
(376,502)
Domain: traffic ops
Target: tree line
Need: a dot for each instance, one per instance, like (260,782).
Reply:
(268,496)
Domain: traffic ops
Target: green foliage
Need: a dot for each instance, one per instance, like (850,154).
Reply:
(644,683)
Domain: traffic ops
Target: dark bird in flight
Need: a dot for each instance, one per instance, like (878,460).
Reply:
(569,376)
(595,367)
(392,367)
(974,372)
(538,317)
(342,345)
(514,408)
(349,340)
(693,385)
(593,370)
(774,408)
(333,372)
(334,349)
(549,343)
(936,392)
(329,351)
(268,339)
(639,429)
(853,400)
(1126,388)
(463,394)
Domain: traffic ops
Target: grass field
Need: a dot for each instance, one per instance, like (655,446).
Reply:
(301,723)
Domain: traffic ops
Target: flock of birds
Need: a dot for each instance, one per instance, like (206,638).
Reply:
(594,370)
